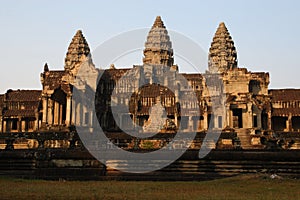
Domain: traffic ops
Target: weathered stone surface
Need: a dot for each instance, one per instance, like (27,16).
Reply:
(78,51)
(158,47)
(157,118)
(222,53)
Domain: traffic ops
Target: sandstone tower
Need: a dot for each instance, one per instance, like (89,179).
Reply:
(79,60)
(158,47)
(222,53)
(78,52)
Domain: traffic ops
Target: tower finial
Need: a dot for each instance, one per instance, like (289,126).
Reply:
(222,53)
(158,23)
(46,68)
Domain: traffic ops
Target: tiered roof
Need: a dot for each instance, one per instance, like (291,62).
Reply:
(78,51)
(158,47)
(21,103)
(222,53)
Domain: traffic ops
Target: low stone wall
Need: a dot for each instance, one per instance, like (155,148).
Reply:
(78,164)
(51,155)
(50,164)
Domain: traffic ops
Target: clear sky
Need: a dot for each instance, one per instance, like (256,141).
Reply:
(266,33)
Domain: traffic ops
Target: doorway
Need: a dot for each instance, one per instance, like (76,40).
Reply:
(237,118)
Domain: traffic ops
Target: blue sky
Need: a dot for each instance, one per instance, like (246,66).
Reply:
(266,33)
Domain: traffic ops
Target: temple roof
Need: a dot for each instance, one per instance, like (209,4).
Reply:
(114,74)
(285,95)
(54,79)
(23,95)
(23,113)
(78,50)
(154,90)
(158,47)
(27,103)
(222,53)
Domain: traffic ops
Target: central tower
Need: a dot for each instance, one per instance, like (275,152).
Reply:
(158,47)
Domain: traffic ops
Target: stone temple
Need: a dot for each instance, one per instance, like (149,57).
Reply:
(156,97)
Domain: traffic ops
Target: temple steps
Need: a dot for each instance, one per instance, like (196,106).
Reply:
(245,138)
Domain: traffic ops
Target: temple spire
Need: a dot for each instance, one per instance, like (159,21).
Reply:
(78,52)
(158,47)
(46,68)
(158,23)
(222,53)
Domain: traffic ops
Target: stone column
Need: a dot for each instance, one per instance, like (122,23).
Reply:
(289,122)
(176,119)
(91,123)
(68,110)
(49,112)
(228,116)
(45,109)
(84,117)
(56,112)
(259,125)
(73,113)
(205,123)
(133,121)
(4,126)
(215,120)
(249,118)
(36,122)
(23,125)
(60,114)
(1,122)
(269,120)
(19,125)
(78,114)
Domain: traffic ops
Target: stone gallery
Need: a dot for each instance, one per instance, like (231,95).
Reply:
(156,97)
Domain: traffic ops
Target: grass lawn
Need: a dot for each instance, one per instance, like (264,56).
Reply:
(239,187)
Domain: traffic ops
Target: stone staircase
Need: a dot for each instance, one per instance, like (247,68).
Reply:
(245,138)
